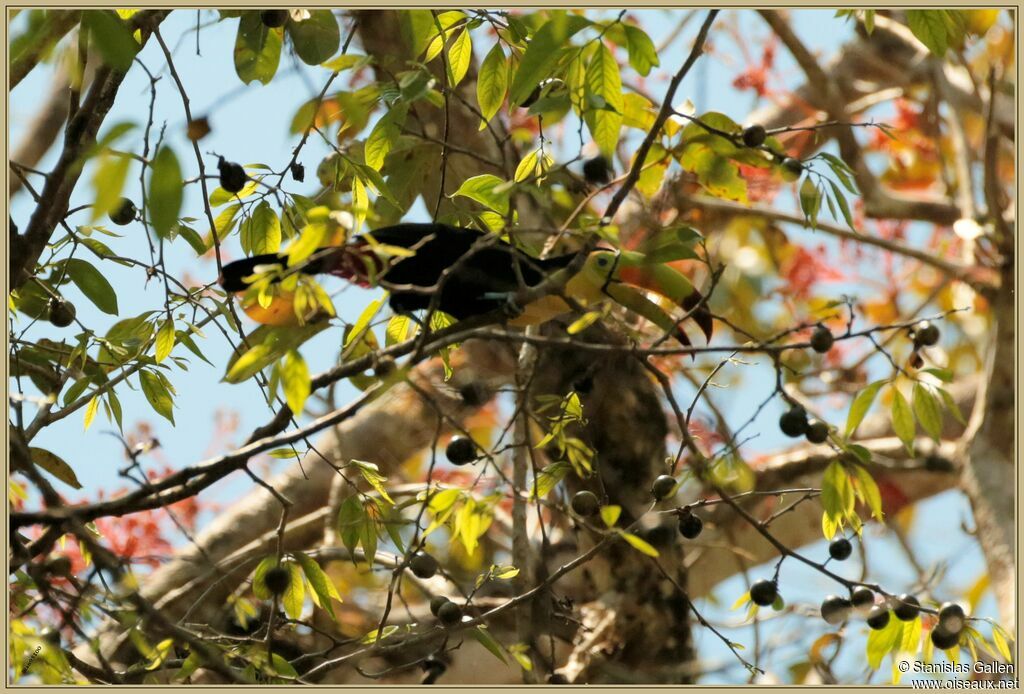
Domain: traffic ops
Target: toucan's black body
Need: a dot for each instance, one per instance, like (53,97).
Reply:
(481,271)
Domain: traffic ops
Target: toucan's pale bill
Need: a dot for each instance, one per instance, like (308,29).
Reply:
(658,278)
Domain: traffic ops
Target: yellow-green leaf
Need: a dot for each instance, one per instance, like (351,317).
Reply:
(108,181)
(90,412)
(295,595)
(55,465)
(604,94)
(323,588)
(492,82)
(164,340)
(926,408)
(640,545)
(610,514)
(460,53)
(860,406)
(166,191)
(902,420)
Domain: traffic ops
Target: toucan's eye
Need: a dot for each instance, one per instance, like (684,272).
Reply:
(602,262)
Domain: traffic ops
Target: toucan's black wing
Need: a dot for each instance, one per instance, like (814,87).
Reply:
(475,276)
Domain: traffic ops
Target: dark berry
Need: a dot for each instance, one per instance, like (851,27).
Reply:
(754,135)
(690,526)
(862,598)
(423,565)
(124,213)
(62,313)
(822,340)
(461,450)
(274,18)
(840,549)
(277,580)
(436,603)
(232,175)
(878,617)
(943,639)
(585,503)
(298,172)
(449,614)
(597,170)
(925,334)
(763,592)
(793,423)
(663,487)
(906,607)
(793,166)
(952,618)
(817,432)
(50,635)
(557,678)
(835,610)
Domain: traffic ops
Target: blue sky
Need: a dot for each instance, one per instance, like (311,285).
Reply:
(249,125)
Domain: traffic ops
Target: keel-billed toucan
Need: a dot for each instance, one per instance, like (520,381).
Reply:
(476,273)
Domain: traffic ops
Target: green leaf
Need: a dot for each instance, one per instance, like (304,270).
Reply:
(257,49)
(844,206)
(166,191)
(926,408)
(902,420)
(951,405)
(164,340)
(93,284)
(488,190)
(317,38)
(603,81)
(882,641)
(810,201)
(715,172)
(323,588)
(549,477)
(527,166)
(269,343)
(1000,638)
(362,323)
(640,545)
(610,514)
(156,392)
(936,29)
(371,473)
(55,465)
(460,53)
(832,497)
(492,82)
(487,641)
(860,406)
(399,329)
(219,196)
(542,53)
(282,667)
(108,181)
(383,137)
(351,517)
(295,595)
(295,379)
(869,487)
(261,233)
(112,38)
(642,53)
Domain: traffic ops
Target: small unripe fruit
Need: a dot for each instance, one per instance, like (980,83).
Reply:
(944,640)
(597,170)
(274,18)
(840,549)
(793,166)
(62,313)
(449,614)
(817,432)
(925,334)
(461,450)
(754,135)
(585,503)
(437,602)
(822,340)
(952,618)
(124,213)
(690,526)
(793,423)
(663,487)
(423,565)
(906,607)
(878,617)
(298,172)
(835,610)
(763,592)
(862,598)
(277,580)
(232,175)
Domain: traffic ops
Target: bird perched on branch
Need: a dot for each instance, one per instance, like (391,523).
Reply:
(465,272)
